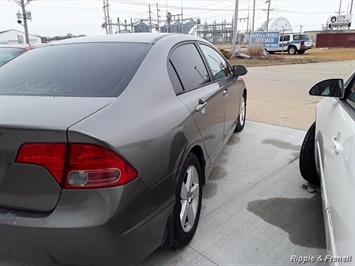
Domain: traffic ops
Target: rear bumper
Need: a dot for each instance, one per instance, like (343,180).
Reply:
(92,229)
(305,47)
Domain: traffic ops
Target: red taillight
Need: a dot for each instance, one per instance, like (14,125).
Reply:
(94,166)
(86,165)
(302,42)
(49,155)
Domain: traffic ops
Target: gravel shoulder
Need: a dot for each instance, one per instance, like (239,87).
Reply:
(315,55)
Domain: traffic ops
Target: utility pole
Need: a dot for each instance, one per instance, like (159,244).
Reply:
(252,27)
(105,14)
(182,20)
(158,28)
(107,24)
(118,24)
(168,19)
(351,6)
(150,19)
(235,29)
(25,15)
(268,13)
(340,7)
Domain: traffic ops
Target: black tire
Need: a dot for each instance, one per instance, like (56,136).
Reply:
(301,51)
(271,52)
(307,157)
(242,115)
(185,225)
(292,49)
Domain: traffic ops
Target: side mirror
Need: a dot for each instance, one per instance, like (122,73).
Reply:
(240,70)
(329,88)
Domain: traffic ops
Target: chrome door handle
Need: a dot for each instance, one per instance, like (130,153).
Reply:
(200,106)
(225,92)
(336,145)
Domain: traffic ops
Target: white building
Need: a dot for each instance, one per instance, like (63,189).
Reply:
(280,24)
(17,37)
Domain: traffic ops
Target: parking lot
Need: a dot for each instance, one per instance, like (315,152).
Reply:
(255,210)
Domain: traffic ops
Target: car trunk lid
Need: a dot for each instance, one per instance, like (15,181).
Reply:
(35,120)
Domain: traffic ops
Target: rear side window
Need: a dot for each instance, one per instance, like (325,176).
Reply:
(285,38)
(7,53)
(303,37)
(189,66)
(76,70)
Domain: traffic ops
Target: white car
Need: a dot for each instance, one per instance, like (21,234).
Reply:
(293,43)
(327,158)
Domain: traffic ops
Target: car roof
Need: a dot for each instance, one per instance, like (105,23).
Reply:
(127,37)
(20,46)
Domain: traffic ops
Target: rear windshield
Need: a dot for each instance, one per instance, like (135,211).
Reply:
(7,53)
(75,70)
(303,37)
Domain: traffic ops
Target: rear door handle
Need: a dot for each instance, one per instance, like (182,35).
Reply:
(336,145)
(201,105)
(225,92)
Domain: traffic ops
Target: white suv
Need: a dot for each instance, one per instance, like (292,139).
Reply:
(328,158)
(293,43)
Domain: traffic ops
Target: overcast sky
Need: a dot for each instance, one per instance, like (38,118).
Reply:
(52,17)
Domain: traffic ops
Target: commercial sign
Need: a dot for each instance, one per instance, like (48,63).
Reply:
(340,20)
(268,39)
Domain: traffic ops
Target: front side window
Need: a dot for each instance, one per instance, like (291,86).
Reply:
(189,66)
(351,94)
(218,65)
(73,70)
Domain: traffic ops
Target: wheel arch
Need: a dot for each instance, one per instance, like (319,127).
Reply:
(290,46)
(245,93)
(198,152)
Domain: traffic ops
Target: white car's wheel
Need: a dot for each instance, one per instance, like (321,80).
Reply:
(307,157)
(292,50)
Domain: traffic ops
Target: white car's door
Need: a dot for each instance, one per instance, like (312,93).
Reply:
(335,142)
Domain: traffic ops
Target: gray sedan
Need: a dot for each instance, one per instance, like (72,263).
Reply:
(106,142)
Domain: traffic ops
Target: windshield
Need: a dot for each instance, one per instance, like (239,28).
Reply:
(7,53)
(76,70)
